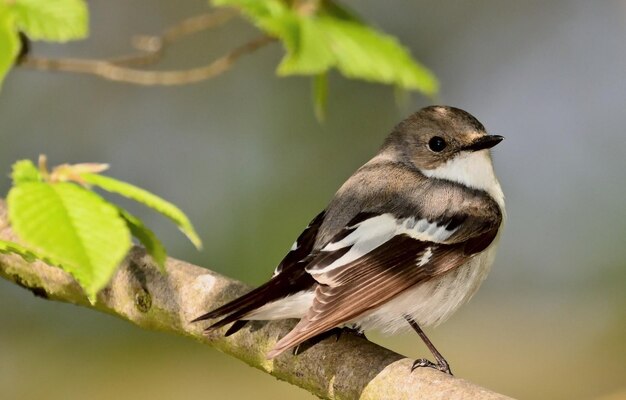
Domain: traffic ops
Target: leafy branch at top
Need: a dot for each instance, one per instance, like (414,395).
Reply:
(322,35)
(52,20)
(317,35)
(60,220)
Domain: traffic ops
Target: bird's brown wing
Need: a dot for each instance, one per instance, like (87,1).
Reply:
(375,278)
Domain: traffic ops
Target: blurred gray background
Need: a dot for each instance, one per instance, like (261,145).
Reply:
(244,156)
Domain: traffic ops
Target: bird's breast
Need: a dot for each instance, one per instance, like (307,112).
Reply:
(432,302)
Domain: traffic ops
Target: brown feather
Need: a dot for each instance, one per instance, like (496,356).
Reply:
(370,281)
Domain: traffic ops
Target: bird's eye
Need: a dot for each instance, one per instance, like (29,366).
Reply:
(436,144)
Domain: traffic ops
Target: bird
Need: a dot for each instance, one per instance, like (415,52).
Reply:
(403,243)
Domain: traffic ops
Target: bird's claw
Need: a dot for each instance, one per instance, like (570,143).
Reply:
(422,362)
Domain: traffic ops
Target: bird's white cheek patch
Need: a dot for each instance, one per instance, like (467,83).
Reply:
(472,169)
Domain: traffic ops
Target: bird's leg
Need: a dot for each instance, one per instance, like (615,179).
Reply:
(442,365)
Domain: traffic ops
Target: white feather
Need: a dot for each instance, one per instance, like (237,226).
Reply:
(377,230)
(425,258)
(294,306)
(472,169)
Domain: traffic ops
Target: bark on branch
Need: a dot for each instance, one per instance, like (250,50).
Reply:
(351,368)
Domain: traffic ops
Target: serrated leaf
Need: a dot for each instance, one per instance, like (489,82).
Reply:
(9,41)
(153,245)
(336,10)
(151,200)
(14,248)
(360,52)
(309,54)
(54,20)
(24,171)
(364,53)
(271,16)
(256,8)
(333,37)
(73,227)
(29,255)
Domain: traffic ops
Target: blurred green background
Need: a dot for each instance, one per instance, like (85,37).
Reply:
(244,156)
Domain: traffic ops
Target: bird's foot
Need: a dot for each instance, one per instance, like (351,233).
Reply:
(442,366)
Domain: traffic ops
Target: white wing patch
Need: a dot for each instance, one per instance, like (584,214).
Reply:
(375,231)
(424,230)
(425,258)
(279,268)
(294,246)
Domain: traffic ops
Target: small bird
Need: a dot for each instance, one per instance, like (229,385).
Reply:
(405,241)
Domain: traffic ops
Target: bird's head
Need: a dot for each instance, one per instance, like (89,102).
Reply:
(436,135)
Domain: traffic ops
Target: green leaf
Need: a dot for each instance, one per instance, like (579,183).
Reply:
(309,54)
(54,20)
(271,16)
(336,10)
(29,255)
(360,52)
(333,37)
(151,200)
(71,226)
(25,171)
(9,41)
(153,245)
(260,10)
(14,248)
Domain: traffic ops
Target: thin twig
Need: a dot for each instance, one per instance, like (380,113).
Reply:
(153,46)
(152,49)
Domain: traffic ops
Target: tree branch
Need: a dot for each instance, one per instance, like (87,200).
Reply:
(351,368)
(151,50)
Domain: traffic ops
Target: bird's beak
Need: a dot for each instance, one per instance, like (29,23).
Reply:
(484,142)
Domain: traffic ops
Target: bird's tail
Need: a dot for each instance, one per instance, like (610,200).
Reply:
(239,307)
(275,289)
